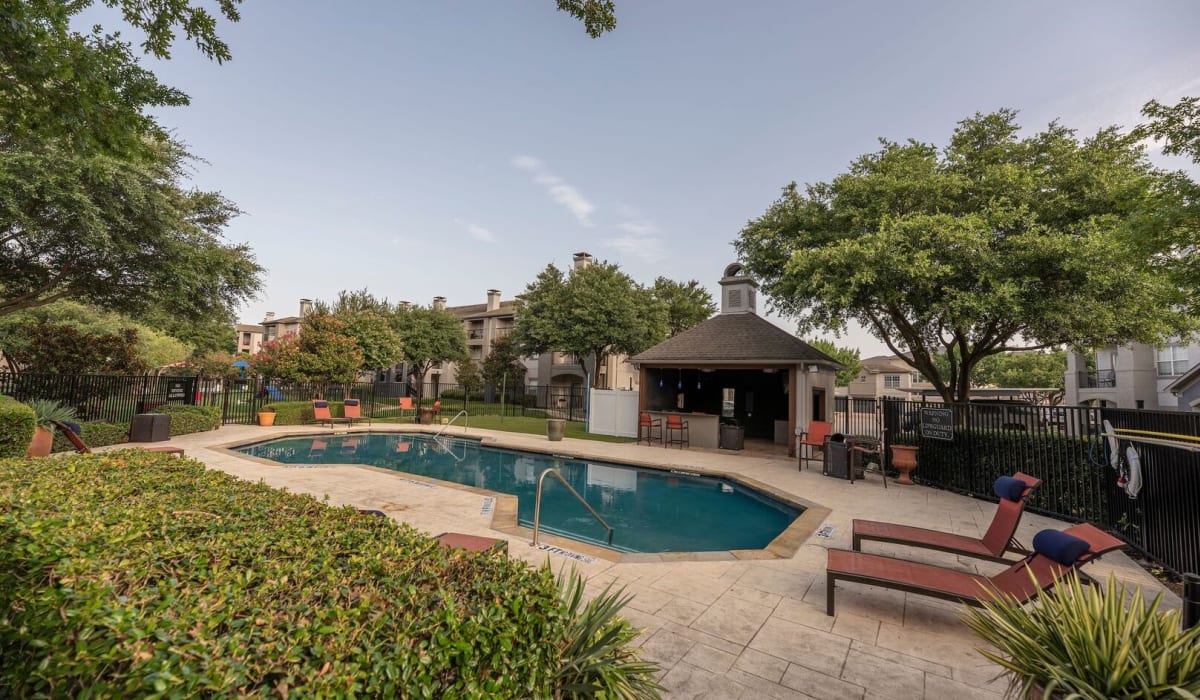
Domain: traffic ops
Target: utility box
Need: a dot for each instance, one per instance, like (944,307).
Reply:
(732,437)
(150,427)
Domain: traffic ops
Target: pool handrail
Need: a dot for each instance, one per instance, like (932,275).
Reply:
(447,426)
(537,504)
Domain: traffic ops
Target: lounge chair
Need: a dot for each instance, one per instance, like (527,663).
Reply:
(321,412)
(406,404)
(998,540)
(1050,561)
(815,437)
(318,448)
(353,410)
(70,430)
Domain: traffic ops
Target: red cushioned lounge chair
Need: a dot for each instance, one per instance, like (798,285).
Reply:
(82,448)
(998,540)
(952,584)
(353,410)
(321,412)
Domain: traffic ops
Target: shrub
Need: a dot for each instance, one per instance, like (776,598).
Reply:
(94,435)
(458,394)
(47,411)
(16,427)
(191,419)
(130,574)
(1088,643)
(301,412)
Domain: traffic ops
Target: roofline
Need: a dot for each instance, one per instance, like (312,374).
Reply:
(1186,378)
(717,364)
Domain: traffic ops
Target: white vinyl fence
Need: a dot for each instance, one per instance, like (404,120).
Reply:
(613,412)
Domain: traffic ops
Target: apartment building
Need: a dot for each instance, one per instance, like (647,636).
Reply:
(275,328)
(886,376)
(248,338)
(1132,376)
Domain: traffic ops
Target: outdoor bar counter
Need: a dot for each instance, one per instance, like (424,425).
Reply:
(703,428)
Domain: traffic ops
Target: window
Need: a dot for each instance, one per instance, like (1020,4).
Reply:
(891,381)
(918,378)
(1172,360)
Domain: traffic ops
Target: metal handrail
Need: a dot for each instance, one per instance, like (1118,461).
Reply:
(447,426)
(537,504)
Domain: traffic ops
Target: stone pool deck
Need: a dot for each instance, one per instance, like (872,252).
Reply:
(721,626)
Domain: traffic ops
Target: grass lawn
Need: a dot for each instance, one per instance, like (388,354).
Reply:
(533,426)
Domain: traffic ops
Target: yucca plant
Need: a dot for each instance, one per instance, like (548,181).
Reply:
(48,410)
(1083,642)
(598,660)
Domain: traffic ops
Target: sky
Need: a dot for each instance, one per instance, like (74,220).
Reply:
(424,149)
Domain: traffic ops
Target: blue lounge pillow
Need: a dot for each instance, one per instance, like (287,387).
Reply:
(350,402)
(1059,546)
(320,404)
(1008,487)
(73,427)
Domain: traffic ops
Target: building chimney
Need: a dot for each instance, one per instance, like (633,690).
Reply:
(406,305)
(305,307)
(269,317)
(738,291)
(582,260)
(439,303)
(493,301)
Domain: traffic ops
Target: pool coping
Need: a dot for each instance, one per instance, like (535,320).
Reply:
(504,515)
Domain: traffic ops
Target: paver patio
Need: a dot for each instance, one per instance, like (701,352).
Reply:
(729,628)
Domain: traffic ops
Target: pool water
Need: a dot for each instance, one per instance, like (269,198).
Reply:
(650,510)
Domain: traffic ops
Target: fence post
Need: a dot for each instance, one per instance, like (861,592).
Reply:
(1191,600)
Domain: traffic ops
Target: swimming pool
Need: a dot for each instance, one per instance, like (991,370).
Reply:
(650,510)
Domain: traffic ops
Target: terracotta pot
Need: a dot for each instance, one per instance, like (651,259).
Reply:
(555,428)
(904,460)
(266,418)
(41,443)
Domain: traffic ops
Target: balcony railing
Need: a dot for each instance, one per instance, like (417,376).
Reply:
(1098,379)
(475,335)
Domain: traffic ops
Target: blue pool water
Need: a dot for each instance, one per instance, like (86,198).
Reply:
(650,510)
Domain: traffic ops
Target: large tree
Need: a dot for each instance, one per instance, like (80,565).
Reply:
(503,367)
(994,243)
(847,356)
(321,352)
(687,304)
(1016,370)
(591,313)
(369,321)
(429,336)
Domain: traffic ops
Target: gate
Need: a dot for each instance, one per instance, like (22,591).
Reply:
(239,400)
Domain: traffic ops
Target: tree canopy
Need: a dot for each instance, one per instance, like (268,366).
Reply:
(991,244)
(503,367)
(321,352)
(1014,370)
(687,304)
(370,322)
(847,356)
(590,313)
(429,336)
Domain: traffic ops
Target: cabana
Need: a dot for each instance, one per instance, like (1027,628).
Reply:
(737,368)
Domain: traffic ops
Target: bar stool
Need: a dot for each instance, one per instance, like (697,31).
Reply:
(675,424)
(646,427)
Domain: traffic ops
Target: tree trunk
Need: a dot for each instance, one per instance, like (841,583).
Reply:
(599,356)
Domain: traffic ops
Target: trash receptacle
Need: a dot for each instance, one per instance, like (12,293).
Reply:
(150,427)
(732,437)
(837,459)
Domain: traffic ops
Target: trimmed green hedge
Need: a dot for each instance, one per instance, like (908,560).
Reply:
(94,435)
(301,412)
(191,419)
(129,574)
(16,427)
(459,394)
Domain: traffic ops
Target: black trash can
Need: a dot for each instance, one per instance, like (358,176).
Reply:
(837,459)
(150,427)
(732,437)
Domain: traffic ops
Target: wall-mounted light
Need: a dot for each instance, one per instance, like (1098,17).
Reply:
(813,369)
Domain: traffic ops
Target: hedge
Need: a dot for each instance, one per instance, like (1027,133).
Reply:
(191,419)
(17,422)
(94,435)
(459,394)
(301,412)
(129,574)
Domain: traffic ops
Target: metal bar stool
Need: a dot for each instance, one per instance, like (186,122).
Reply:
(677,432)
(647,426)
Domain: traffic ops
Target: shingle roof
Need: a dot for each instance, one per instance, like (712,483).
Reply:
(734,338)
(249,328)
(480,310)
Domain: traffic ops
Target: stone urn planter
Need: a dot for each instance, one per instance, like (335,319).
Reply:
(904,460)
(40,445)
(266,418)
(555,428)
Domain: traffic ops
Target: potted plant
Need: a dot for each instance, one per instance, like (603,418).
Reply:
(266,416)
(904,460)
(1088,642)
(45,412)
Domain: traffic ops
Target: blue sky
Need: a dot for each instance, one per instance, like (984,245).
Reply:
(445,148)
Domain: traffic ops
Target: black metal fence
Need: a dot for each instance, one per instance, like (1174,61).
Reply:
(101,397)
(1062,446)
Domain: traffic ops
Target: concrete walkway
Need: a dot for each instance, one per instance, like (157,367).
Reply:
(729,628)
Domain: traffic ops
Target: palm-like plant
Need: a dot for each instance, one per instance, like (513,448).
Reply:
(46,411)
(597,660)
(1087,643)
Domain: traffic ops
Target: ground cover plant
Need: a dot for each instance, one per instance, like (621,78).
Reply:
(16,427)
(129,574)
(94,435)
(191,419)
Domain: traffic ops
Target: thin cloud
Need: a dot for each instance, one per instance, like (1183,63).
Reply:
(638,228)
(478,232)
(648,249)
(559,189)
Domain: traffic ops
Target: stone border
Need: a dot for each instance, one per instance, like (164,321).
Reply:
(504,517)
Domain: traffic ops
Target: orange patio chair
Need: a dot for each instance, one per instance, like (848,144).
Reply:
(353,410)
(815,437)
(406,404)
(677,432)
(321,412)
(69,430)
(999,539)
(1055,554)
(646,427)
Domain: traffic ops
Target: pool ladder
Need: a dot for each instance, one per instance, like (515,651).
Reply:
(537,504)
(447,426)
